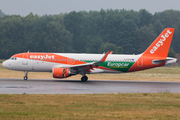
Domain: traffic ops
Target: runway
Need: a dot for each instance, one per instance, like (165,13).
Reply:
(56,86)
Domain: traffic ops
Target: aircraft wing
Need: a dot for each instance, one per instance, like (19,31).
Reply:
(84,68)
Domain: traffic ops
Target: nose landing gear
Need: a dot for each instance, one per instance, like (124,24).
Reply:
(25,77)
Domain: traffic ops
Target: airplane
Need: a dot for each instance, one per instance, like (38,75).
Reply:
(63,65)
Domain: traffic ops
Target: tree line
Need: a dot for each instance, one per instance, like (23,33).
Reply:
(121,31)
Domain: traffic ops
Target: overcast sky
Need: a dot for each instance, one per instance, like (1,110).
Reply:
(42,7)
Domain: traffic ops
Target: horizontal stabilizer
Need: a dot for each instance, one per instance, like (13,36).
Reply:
(168,60)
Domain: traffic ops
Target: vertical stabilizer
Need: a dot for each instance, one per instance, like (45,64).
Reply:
(160,47)
(157,51)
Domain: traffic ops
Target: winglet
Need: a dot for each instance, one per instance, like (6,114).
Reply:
(111,52)
(104,58)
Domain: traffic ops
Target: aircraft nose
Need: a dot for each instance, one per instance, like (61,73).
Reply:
(4,64)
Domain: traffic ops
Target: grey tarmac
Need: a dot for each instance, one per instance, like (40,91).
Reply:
(63,86)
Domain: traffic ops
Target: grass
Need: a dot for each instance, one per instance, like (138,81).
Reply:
(163,106)
(156,74)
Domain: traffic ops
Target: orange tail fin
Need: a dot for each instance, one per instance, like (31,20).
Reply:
(160,47)
(157,51)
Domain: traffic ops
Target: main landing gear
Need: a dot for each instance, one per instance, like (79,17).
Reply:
(25,77)
(84,78)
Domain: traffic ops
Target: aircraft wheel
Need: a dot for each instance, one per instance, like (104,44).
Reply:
(25,77)
(84,78)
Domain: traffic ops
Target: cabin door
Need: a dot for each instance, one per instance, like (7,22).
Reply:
(25,60)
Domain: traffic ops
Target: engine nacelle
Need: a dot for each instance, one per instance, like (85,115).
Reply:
(61,72)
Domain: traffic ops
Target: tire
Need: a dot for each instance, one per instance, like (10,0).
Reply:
(25,78)
(84,78)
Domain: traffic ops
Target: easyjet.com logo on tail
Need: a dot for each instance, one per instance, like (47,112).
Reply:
(160,42)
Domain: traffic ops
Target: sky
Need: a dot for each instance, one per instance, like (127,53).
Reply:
(43,7)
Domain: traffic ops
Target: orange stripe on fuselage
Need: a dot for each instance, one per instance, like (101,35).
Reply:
(49,57)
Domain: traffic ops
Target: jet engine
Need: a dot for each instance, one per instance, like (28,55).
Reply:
(61,72)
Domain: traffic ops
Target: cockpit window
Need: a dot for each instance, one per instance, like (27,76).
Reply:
(13,58)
